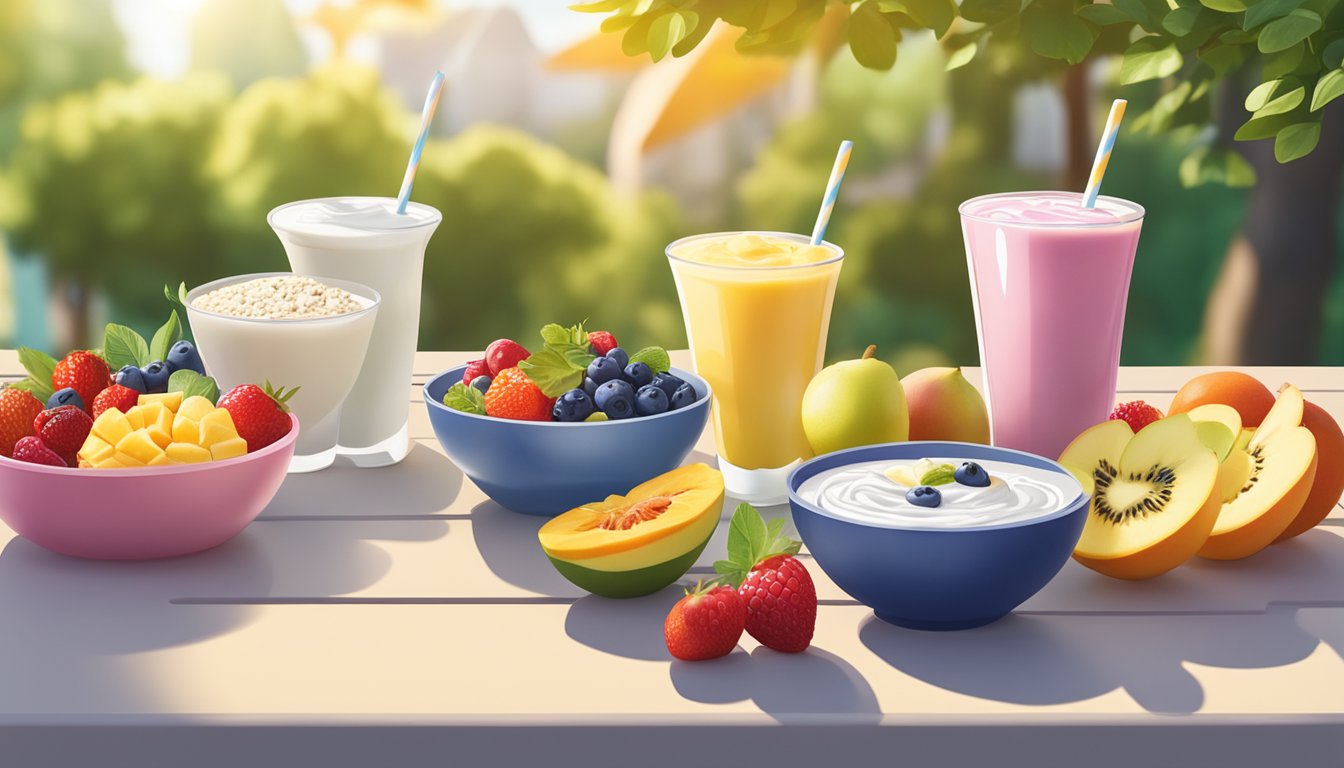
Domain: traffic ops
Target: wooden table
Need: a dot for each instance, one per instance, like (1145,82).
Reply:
(376,617)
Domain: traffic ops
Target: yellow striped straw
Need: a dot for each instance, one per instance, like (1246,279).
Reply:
(832,191)
(1104,153)
(426,117)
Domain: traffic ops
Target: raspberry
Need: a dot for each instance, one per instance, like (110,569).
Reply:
(1137,414)
(32,450)
(602,342)
(475,368)
(513,396)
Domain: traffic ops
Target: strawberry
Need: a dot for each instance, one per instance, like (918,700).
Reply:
(115,396)
(32,450)
(705,624)
(260,414)
(475,368)
(18,408)
(84,372)
(63,429)
(512,395)
(780,597)
(602,342)
(503,354)
(1137,414)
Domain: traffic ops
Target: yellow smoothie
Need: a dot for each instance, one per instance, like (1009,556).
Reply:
(757,307)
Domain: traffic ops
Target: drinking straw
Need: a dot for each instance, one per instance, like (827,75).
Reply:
(832,191)
(426,117)
(1104,153)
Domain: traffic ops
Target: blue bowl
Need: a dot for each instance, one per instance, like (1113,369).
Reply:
(945,578)
(546,468)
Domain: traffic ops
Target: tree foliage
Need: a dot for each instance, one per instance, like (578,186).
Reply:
(1297,46)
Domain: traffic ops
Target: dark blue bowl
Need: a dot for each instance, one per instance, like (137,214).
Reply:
(947,578)
(545,468)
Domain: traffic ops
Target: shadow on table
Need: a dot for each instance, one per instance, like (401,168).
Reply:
(508,543)
(425,483)
(632,628)
(70,629)
(789,687)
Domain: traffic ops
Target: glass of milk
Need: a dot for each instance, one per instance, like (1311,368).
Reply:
(364,239)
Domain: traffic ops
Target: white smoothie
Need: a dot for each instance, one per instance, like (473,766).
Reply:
(364,239)
(864,493)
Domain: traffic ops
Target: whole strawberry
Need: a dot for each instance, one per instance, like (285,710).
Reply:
(1136,414)
(779,594)
(260,414)
(115,396)
(503,354)
(602,342)
(18,408)
(705,624)
(512,395)
(32,450)
(63,430)
(84,372)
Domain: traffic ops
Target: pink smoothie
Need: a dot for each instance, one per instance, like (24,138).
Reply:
(1049,280)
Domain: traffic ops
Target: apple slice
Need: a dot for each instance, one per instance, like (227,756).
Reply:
(1154,497)
(1218,426)
(1274,481)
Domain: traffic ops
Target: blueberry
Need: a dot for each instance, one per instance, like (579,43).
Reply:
(184,355)
(684,396)
(924,496)
(619,355)
(650,400)
(65,396)
(972,474)
(604,369)
(574,405)
(616,399)
(131,377)
(482,383)
(590,387)
(638,374)
(667,382)
(156,377)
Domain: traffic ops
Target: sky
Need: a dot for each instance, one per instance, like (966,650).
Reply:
(157,31)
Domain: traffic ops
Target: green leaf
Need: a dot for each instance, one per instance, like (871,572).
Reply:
(552,372)
(123,346)
(989,11)
(1209,165)
(1222,58)
(461,397)
(1260,95)
(1334,54)
(1266,11)
(654,357)
(747,536)
(962,56)
(1136,10)
(1263,127)
(1104,15)
(168,334)
(871,37)
(554,334)
(668,30)
(1149,58)
(1181,20)
(1288,94)
(941,474)
(1226,6)
(1295,141)
(193,384)
(1288,31)
(1058,37)
(1237,37)
(39,365)
(1282,63)
(934,14)
(1328,88)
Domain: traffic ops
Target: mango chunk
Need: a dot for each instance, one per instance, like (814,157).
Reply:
(216,427)
(124,460)
(136,418)
(111,426)
(195,408)
(162,460)
(228,449)
(186,430)
(186,453)
(140,446)
(95,450)
(170,400)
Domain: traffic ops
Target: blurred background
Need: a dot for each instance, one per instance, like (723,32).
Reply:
(142,143)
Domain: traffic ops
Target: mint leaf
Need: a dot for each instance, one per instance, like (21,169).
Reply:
(168,334)
(123,346)
(553,373)
(554,334)
(461,397)
(747,534)
(939,475)
(193,384)
(37,363)
(39,390)
(654,357)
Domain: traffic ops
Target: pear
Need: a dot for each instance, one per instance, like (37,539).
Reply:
(853,403)
(945,406)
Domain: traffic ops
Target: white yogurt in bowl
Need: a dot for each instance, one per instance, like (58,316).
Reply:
(863,493)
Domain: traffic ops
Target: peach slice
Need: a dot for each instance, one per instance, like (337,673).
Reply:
(1329,482)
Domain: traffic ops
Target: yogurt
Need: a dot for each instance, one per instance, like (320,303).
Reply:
(863,493)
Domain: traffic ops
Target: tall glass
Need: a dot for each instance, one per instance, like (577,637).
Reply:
(364,240)
(1049,280)
(757,307)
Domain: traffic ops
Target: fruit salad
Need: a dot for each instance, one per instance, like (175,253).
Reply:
(576,376)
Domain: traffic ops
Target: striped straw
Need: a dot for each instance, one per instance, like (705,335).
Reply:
(426,117)
(832,191)
(1104,153)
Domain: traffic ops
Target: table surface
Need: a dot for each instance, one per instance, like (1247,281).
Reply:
(404,596)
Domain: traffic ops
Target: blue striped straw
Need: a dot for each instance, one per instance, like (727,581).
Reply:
(832,191)
(1104,153)
(426,117)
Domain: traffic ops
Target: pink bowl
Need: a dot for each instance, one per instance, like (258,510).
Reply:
(141,514)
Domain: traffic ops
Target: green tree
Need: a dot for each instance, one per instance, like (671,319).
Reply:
(247,40)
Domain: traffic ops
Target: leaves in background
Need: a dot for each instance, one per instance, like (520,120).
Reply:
(1328,89)
(871,37)
(1296,141)
(1149,58)
(1288,31)
(1058,37)
(989,11)
(1211,165)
